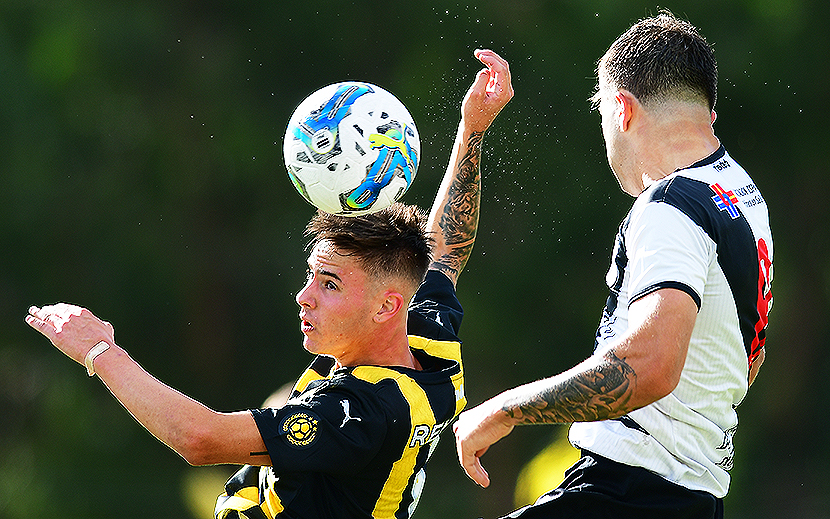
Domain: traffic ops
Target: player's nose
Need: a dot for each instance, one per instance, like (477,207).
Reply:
(304,297)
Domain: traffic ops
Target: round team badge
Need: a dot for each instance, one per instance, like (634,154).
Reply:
(299,429)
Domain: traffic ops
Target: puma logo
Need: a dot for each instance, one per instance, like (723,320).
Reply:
(348,417)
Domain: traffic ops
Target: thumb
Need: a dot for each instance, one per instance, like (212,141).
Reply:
(481,80)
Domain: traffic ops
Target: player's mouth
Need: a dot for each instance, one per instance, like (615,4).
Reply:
(305,326)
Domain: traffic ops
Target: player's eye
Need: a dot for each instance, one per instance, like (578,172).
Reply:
(330,285)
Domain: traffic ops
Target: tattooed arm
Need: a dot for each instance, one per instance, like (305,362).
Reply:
(642,367)
(453,220)
(598,389)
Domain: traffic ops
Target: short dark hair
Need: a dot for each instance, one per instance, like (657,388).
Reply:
(662,57)
(389,242)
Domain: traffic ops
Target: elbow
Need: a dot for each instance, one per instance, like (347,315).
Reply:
(653,388)
(646,381)
(197,449)
(664,388)
(657,378)
(196,458)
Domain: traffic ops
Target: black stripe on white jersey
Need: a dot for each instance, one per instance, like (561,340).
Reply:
(736,247)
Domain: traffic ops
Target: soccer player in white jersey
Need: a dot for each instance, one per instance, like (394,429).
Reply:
(682,334)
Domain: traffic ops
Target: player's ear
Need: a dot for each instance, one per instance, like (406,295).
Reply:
(626,105)
(391,304)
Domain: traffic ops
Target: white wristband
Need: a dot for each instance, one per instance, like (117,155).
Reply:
(96,350)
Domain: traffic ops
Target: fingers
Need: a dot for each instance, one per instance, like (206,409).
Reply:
(72,329)
(475,431)
(471,463)
(52,316)
(491,90)
(482,81)
(499,80)
(37,320)
(468,457)
(478,474)
(491,59)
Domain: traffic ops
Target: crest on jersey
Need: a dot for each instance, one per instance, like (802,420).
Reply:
(725,201)
(299,429)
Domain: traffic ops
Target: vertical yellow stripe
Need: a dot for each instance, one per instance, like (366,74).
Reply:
(445,350)
(421,414)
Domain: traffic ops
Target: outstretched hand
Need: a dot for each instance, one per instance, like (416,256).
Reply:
(491,90)
(475,431)
(72,329)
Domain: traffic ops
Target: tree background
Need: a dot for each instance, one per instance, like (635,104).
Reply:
(142,177)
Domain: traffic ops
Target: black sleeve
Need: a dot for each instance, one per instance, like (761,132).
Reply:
(316,435)
(435,311)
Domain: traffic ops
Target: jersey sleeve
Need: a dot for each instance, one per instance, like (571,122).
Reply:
(335,431)
(435,311)
(667,250)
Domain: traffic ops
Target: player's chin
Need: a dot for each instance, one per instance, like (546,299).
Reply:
(310,345)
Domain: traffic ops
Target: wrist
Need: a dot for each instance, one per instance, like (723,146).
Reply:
(495,411)
(469,127)
(510,408)
(92,354)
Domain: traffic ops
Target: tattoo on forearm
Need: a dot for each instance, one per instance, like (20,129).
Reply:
(459,219)
(597,394)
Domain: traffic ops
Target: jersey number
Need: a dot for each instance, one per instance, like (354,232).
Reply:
(764,299)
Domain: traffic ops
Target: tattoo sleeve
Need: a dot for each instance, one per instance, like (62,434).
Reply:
(598,393)
(458,219)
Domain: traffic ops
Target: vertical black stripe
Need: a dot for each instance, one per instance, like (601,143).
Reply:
(736,247)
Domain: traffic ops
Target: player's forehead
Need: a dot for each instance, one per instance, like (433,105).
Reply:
(326,257)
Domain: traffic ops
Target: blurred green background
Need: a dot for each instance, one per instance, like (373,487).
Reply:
(142,177)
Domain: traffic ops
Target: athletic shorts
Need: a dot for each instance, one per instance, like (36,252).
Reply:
(598,488)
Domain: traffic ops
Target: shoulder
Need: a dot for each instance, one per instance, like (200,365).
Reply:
(379,386)
(436,287)
(679,191)
(438,388)
(687,198)
(435,311)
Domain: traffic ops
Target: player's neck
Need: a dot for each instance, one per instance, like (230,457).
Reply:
(678,146)
(384,346)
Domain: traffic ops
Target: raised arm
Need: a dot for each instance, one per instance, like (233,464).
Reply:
(197,433)
(453,220)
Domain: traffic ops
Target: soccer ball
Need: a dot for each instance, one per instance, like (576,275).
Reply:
(351,148)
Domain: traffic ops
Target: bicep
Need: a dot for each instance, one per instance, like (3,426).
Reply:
(232,438)
(660,327)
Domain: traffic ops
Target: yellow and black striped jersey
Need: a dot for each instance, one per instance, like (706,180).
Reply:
(353,442)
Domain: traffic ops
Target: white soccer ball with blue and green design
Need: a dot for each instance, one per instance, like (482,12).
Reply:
(351,148)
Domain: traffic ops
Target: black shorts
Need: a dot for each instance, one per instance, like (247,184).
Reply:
(596,487)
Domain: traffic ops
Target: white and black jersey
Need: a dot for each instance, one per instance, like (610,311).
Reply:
(704,230)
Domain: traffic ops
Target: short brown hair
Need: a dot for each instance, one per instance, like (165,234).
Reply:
(662,57)
(389,242)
